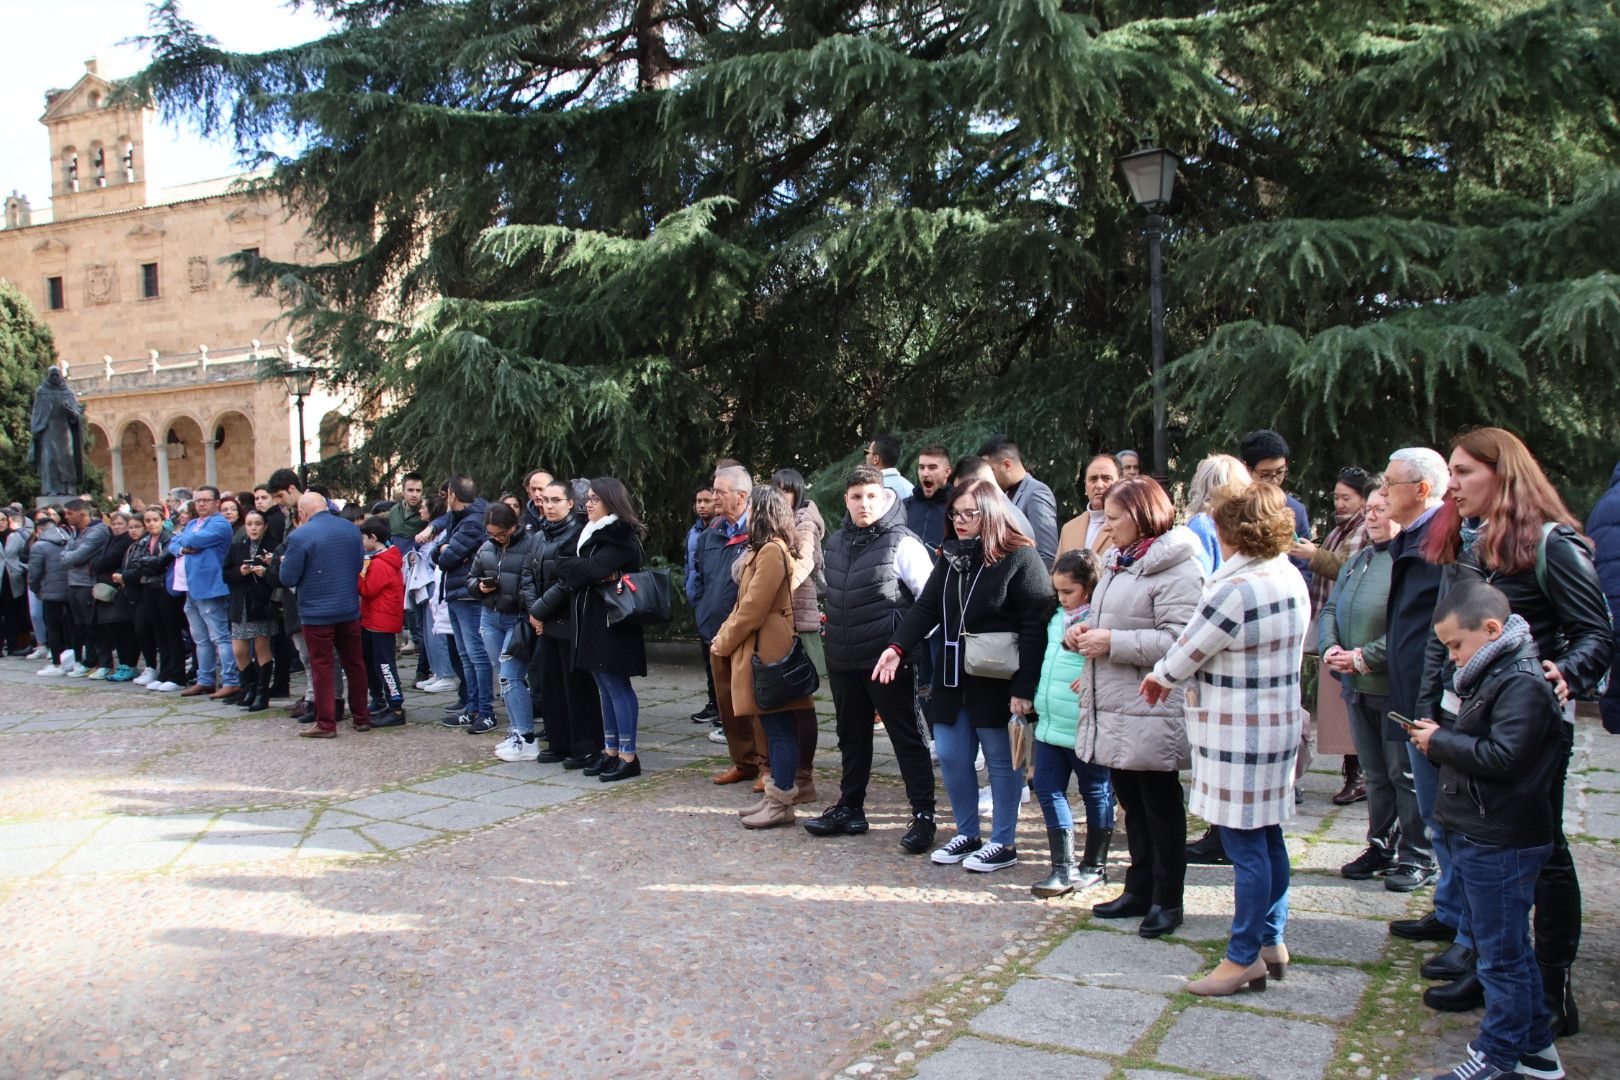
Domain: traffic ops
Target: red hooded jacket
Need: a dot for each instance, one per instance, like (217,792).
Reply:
(382,592)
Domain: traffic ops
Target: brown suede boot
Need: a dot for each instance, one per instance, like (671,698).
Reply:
(778,809)
(754,807)
(804,782)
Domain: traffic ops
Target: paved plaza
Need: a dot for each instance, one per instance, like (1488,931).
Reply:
(188,890)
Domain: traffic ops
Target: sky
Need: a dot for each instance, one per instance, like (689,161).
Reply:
(48,43)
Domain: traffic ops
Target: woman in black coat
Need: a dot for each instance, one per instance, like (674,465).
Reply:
(989,580)
(115,617)
(609,545)
(255,616)
(571,709)
(158,612)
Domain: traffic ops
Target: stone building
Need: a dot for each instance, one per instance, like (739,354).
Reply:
(161,347)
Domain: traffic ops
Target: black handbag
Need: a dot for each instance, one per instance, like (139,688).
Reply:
(641,598)
(777,685)
(789,679)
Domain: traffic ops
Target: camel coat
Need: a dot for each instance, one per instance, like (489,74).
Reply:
(761,623)
(1073,535)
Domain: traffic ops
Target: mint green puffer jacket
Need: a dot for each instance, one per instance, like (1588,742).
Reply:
(1056,706)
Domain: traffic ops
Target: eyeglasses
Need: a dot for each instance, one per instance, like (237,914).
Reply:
(1271,476)
(593,497)
(965,515)
(1397,483)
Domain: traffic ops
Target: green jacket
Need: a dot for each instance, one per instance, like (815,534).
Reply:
(1057,708)
(1354,615)
(401,527)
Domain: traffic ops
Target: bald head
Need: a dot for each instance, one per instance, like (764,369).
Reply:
(309,504)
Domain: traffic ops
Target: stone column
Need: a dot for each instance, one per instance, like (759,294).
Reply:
(210,472)
(162,452)
(118,469)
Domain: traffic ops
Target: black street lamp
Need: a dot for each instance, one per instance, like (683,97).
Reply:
(300,379)
(1151,173)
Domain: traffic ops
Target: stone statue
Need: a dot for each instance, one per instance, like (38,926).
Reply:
(57,450)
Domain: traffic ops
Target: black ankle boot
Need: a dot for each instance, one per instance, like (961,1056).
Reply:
(249,688)
(1061,880)
(1560,994)
(1207,850)
(1463,995)
(1124,906)
(1094,864)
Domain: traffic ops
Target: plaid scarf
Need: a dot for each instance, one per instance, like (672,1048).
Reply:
(1124,557)
(1514,634)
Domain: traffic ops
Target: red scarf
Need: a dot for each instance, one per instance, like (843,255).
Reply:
(1124,557)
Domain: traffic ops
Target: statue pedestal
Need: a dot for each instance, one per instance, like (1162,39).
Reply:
(42,501)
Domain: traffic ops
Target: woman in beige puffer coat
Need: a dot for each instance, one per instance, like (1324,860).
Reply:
(1149,590)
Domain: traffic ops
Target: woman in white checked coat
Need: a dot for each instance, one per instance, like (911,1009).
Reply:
(1239,658)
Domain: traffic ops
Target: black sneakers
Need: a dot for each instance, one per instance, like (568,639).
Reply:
(1369,864)
(706,715)
(481,725)
(1409,877)
(920,837)
(838,820)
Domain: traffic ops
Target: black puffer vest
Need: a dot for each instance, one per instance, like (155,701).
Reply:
(865,598)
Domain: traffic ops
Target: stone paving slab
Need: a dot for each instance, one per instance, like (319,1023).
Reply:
(1324,990)
(1234,1043)
(392,804)
(462,815)
(392,836)
(463,785)
(335,842)
(261,821)
(250,847)
(1125,963)
(968,1058)
(1062,1014)
(25,862)
(175,828)
(47,833)
(531,796)
(121,859)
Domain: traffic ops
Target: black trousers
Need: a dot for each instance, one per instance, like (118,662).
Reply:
(87,642)
(855,698)
(281,655)
(59,635)
(1557,918)
(167,616)
(120,643)
(572,713)
(1156,830)
(708,669)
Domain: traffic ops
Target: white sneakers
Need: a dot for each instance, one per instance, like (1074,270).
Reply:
(40,653)
(166,687)
(717,735)
(146,678)
(51,671)
(439,684)
(77,671)
(515,748)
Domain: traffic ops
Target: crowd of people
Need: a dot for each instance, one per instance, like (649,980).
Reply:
(1437,636)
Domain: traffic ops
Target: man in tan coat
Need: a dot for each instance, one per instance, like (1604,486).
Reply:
(1089,528)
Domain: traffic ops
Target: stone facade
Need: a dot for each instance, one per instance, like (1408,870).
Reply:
(161,347)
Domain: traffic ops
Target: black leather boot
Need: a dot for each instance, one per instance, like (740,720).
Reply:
(249,688)
(1207,850)
(1094,864)
(1560,994)
(260,699)
(1124,906)
(1061,880)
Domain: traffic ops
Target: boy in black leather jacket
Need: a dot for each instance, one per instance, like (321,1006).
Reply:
(1497,766)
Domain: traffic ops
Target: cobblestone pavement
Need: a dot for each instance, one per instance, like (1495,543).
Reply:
(188,890)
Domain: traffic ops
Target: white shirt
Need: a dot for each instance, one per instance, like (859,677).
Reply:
(1094,525)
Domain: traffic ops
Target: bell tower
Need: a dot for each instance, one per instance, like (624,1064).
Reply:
(98,150)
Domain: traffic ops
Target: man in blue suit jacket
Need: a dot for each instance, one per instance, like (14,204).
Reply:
(201,548)
(322,563)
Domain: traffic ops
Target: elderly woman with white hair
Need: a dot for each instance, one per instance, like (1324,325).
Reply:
(1214,473)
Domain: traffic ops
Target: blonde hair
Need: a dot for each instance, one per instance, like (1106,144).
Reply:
(1254,518)
(1214,472)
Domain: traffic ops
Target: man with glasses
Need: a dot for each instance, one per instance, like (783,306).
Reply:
(202,546)
(1266,454)
(715,594)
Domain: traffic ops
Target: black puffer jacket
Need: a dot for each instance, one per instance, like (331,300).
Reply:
(865,599)
(151,565)
(511,568)
(110,561)
(551,542)
(1013,595)
(1500,758)
(1569,618)
(618,649)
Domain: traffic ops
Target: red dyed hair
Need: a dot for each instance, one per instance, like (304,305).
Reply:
(1141,499)
(997,532)
(1525,501)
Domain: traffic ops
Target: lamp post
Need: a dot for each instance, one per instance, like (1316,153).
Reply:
(1150,171)
(300,379)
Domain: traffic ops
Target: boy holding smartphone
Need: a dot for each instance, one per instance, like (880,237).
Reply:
(1497,765)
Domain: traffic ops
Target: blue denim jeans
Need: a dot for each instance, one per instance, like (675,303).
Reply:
(36,616)
(782,736)
(1498,885)
(467,616)
(435,647)
(1259,890)
(620,711)
(958,744)
(1053,767)
(210,622)
(1448,900)
(497,629)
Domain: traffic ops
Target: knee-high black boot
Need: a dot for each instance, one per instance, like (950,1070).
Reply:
(250,683)
(259,701)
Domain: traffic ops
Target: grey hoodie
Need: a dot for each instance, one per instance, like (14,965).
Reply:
(82,551)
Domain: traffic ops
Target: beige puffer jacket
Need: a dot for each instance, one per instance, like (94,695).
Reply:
(1146,606)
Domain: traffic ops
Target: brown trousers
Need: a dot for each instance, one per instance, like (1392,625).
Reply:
(745,739)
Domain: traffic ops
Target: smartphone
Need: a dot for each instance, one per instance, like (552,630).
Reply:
(1405,722)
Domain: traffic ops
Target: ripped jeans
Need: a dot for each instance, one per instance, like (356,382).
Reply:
(496,629)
